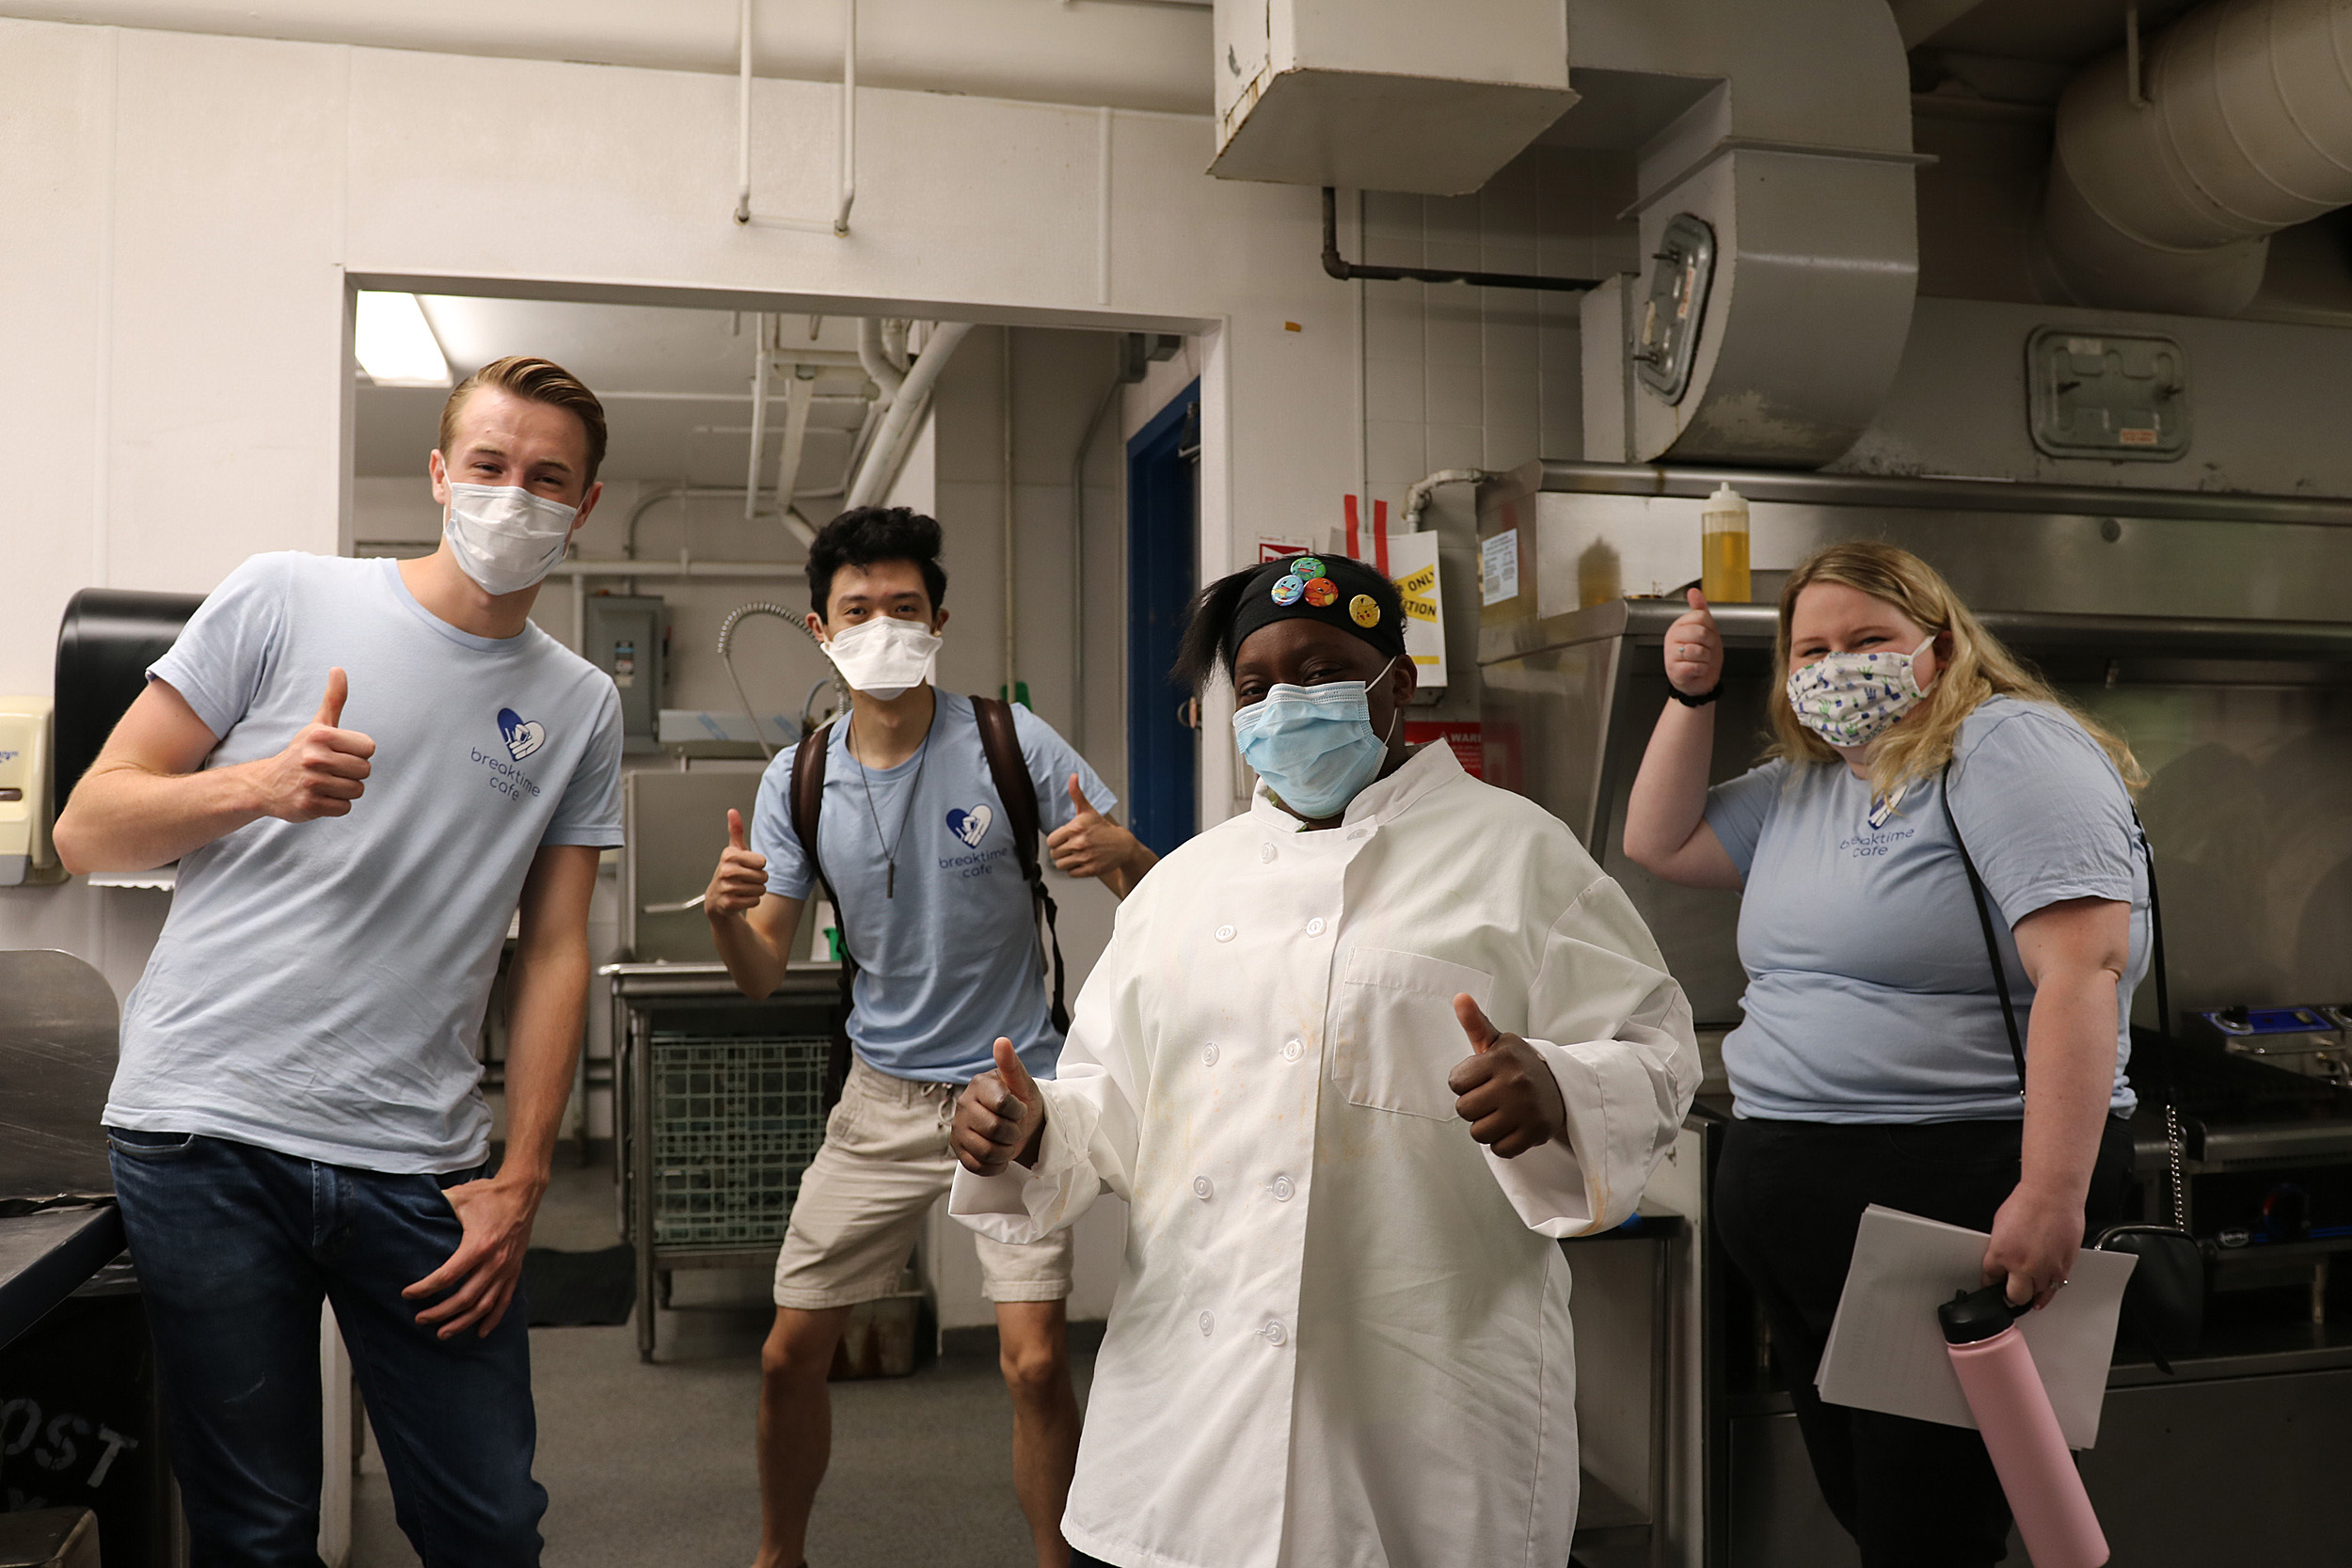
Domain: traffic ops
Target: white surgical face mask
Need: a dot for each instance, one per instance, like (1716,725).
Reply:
(1315,746)
(1852,699)
(884,656)
(505,538)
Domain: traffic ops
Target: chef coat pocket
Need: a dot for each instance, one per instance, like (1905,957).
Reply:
(1394,1036)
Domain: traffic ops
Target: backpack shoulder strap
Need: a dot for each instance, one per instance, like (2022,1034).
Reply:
(807,801)
(808,789)
(1009,769)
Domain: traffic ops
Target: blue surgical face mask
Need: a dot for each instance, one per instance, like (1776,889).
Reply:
(1315,746)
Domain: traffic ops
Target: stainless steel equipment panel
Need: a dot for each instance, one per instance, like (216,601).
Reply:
(2206,630)
(675,824)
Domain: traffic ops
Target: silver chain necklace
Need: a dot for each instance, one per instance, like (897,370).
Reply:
(890,846)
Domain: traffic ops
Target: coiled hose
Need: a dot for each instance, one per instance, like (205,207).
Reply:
(726,654)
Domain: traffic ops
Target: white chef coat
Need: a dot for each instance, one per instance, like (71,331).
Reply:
(1342,1336)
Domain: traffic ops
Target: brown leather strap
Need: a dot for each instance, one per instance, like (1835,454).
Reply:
(1009,769)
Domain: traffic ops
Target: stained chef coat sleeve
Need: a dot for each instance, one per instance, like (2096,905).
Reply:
(1090,1120)
(1616,1029)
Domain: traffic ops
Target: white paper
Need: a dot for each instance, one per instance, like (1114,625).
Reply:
(1499,566)
(1886,1350)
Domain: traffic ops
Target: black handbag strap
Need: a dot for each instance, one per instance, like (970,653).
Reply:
(1991,945)
(2159,1059)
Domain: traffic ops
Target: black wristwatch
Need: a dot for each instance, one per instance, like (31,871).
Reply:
(1700,701)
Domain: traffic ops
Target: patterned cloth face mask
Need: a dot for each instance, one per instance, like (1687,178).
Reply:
(1852,699)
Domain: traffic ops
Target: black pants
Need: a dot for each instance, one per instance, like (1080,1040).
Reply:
(1789,1197)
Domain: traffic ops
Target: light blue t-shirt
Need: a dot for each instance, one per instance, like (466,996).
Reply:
(1870,996)
(951,960)
(319,987)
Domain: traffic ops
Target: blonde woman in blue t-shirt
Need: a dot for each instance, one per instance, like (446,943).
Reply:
(1873,1065)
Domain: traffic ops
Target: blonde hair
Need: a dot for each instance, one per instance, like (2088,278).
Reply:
(1978,667)
(539,381)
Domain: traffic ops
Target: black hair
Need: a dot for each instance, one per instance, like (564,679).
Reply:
(1202,654)
(865,536)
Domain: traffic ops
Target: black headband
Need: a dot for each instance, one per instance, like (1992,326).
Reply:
(1335,590)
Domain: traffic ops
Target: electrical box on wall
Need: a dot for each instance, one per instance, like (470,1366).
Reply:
(2114,395)
(1389,95)
(628,639)
(25,854)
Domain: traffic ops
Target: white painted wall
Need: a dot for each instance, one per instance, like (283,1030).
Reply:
(187,212)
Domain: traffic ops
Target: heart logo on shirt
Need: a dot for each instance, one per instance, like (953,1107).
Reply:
(522,735)
(970,826)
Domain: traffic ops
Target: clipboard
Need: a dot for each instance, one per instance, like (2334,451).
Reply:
(1885,1351)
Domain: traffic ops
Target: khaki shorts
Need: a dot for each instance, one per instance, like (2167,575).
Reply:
(883,1164)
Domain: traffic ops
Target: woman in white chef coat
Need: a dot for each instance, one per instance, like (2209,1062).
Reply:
(1341,1339)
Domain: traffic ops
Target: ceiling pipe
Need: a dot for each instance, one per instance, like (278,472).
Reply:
(1346,271)
(796,414)
(760,412)
(2244,127)
(887,453)
(845,169)
(1417,499)
(873,352)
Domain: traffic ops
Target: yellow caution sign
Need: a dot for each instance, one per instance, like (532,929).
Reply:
(1420,594)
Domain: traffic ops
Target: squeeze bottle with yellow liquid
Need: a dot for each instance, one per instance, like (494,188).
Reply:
(1724,548)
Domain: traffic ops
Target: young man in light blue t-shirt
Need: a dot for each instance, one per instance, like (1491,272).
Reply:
(364,770)
(917,846)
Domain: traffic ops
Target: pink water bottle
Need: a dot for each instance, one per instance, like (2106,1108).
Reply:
(2021,1430)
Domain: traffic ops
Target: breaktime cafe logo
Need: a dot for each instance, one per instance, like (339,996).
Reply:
(521,737)
(968,826)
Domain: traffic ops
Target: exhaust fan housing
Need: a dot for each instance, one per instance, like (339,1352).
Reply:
(1392,95)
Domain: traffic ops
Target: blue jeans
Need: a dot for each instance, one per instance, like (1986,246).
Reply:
(236,1247)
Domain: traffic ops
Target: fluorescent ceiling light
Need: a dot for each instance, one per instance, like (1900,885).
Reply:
(395,344)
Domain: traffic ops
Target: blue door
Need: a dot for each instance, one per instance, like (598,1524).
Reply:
(1163,533)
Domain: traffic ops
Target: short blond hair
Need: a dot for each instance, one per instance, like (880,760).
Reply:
(1979,666)
(541,381)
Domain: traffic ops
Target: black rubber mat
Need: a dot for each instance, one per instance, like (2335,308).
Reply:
(573,1290)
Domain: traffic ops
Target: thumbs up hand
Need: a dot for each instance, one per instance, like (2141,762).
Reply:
(1090,844)
(323,768)
(740,881)
(1000,1117)
(1504,1089)
(1694,649)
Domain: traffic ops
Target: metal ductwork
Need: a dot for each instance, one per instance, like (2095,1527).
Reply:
(2164,192)
(1806,200)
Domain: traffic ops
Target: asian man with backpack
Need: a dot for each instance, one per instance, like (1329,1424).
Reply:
(920,812)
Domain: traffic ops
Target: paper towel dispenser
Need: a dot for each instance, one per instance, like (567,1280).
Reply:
(107,639)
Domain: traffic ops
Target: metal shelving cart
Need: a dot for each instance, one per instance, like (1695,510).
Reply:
(720,1107)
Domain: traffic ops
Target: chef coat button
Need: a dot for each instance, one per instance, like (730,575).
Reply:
(1292,1049)
(1282,1189)
(1274,1333)
(1208,1054)
(1267,851)
(1314,927)
(1207,1325)
(1225,934)
(1358,832)
(1200,1187)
